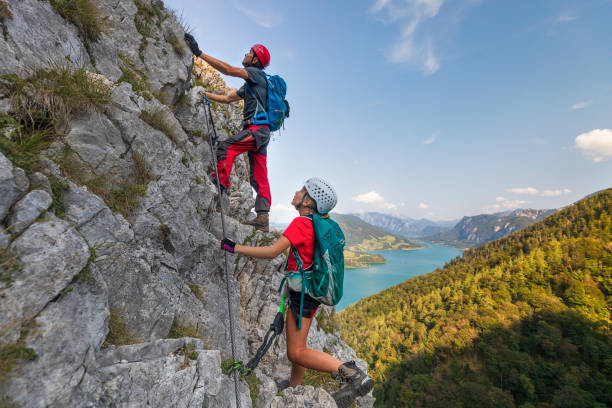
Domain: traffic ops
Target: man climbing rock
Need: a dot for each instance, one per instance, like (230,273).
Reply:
(252,138)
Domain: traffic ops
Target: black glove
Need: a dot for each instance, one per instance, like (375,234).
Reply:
(228,245)
(193,44)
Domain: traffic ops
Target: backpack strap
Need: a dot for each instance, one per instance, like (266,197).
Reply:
(298,261)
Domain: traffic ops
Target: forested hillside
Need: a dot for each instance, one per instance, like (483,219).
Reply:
(523,321)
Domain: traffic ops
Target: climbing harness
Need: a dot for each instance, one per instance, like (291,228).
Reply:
(213,141)
(276,328)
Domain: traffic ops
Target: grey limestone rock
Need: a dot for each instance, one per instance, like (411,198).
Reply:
(39,181)
(13,183)
(5,239)
(36,35)
(28,209)
(64,336)
(303,397)
(95,221)
(51,253)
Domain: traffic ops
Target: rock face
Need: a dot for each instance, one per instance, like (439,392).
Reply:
(102,251)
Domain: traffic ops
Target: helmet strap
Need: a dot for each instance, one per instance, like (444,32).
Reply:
(252,62)
(301,204)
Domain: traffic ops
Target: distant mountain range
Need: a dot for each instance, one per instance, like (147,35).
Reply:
(479,229)
(362,236)
(404,226)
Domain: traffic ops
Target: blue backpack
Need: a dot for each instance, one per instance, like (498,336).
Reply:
(278,107)
(324,281)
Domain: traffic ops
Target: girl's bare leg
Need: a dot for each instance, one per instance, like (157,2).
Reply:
(302,357)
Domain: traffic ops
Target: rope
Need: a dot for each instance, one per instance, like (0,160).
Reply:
(229,304)
(276,328)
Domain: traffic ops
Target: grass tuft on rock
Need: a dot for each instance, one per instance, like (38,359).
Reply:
(177,330)
(124,196)
(177,45)
(9,265)
(84,14)
(57,93)
(5,13)
(21,144)
(319,379)
(119,333)
(157,119)
(253,382)
(58,188)
(10,355)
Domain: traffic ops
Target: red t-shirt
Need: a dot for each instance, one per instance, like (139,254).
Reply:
(301,235)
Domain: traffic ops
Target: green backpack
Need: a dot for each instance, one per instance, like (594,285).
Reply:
(324,281)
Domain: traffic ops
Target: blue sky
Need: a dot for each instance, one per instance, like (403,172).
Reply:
(430,108)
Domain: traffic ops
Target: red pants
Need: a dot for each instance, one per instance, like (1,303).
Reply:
(256,146)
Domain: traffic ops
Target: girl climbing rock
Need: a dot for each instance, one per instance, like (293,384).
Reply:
(316,196)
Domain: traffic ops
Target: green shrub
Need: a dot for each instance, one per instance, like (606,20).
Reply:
(84,14)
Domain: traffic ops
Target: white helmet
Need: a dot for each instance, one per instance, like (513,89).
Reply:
(322,193)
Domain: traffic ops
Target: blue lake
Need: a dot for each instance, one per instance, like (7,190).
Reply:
(400,266)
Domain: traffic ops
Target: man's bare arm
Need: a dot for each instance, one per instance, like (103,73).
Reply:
(225,68)
(232,97)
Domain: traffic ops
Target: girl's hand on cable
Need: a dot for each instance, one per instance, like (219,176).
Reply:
(228,245)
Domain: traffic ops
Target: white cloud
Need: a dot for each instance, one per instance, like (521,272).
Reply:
(525,190)
(410,14)
(504,204)
(596,144)
(565,18)
(555,193)
(535,191)
(431,139)
(423,206)
(581,105)
(266,17)
(372,197)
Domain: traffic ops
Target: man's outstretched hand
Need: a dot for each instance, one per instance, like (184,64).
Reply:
(193,45)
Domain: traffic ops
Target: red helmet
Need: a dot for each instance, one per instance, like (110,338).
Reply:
(263,55)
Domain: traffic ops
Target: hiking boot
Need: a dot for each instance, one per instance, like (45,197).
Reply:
(261,222)
(356,383)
